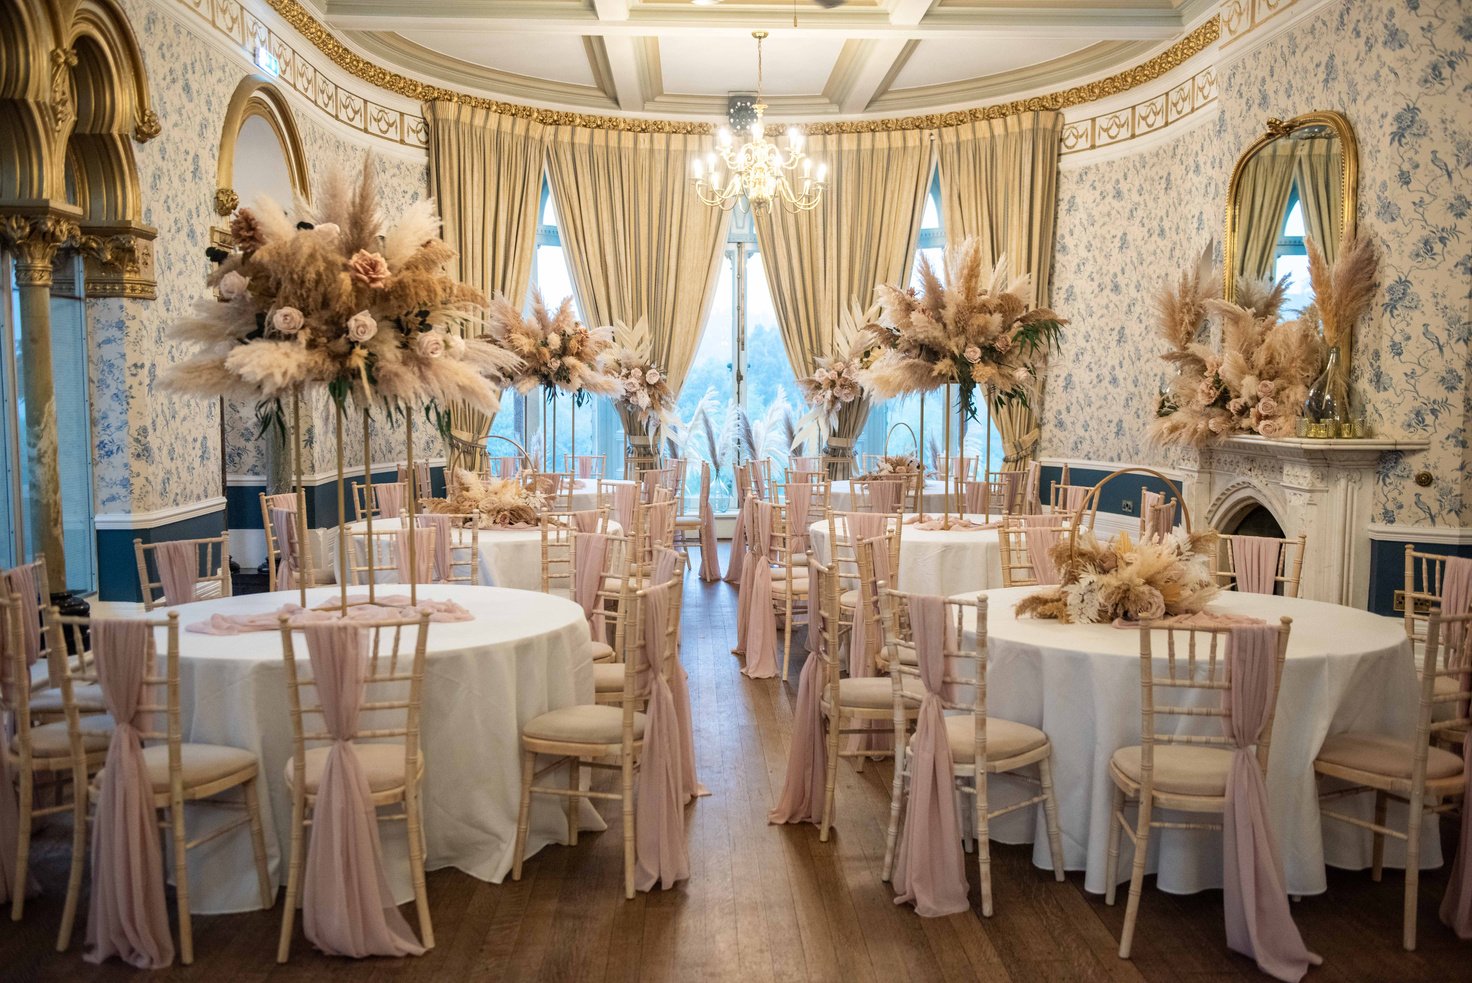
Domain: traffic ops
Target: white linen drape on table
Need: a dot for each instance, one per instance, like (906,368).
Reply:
(936,561)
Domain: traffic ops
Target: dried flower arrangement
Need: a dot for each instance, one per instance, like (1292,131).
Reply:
(896,464)
(974,329)
(1343,289)
(1125,580)
(836,379)
(339,300)
(558,351)
(644,402)
(498,502)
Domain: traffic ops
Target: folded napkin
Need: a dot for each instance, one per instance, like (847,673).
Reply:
(957,524)
(1196,619)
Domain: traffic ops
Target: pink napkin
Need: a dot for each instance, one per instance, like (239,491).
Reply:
(1456,598)
(386,607)
(347,907)
(1255,560)
(126,915)
(757,622)
(178,569)
(661,853)
(930,869)
(1259,924)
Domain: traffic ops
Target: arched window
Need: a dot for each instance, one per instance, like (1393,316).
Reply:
(1290,256)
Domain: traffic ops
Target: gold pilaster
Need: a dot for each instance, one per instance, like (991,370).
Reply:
(119,261)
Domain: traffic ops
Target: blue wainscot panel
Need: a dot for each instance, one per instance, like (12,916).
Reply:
(1121,496)
(117,566)
(245,500)
(1388,568)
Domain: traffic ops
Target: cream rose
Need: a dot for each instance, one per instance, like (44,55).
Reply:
(328,229)
(233,285)
(430,344)
(287,320)
(361,327)
(369,269)
(972,354)
(652,376)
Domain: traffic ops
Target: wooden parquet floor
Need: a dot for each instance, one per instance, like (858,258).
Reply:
(773,903)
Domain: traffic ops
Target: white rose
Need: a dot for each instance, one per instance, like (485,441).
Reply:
(361,327)
(287,320)
(554,341)
(430,344)
(328,229)
(652,376)
(232,285)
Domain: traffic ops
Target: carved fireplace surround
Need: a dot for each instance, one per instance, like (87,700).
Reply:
(1323,488)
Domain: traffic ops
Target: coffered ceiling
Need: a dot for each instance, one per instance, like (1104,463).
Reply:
(676,57)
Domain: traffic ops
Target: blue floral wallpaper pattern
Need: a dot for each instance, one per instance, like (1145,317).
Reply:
(1399,70)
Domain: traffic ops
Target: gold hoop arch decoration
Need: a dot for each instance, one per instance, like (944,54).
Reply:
(1090,503)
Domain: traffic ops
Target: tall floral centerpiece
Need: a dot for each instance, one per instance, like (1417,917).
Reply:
(974,328)
(558,353)
(834,392)
(341,302)
(645,403)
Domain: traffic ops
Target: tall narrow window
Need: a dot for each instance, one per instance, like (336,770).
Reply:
(1290,257)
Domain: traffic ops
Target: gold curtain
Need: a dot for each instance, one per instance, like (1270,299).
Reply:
(485,171)
(638,240)
(999,181)
(862,234)
(1262,202)
(1319,170)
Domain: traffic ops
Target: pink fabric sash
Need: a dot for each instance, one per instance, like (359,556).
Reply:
(178,569)
(424,558)
(590,552)
(1160,520)
(661,529)
(710,564)
(347,907)
(440,542)
(930,869)
(1074,495)
(1042,533)
(661,855)
(803,788)
(1255,561)
(885,495)
(1030,487)
(624,497)
(21,581)
(1456,598)
(586,467)
(386,607)
(665,563)
(422,486)
(757,622)
(1012,492)
(977,497)
(799,505)
(126,915)
(389,497)
(587,520)
(283,527)
(737,559)
(863,527)
(1259,924)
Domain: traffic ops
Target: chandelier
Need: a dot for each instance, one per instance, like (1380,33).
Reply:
(758,171)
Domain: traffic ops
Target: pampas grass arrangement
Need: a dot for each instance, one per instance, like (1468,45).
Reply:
(644,401)
(1344,289)
(1125,580)
(497,502)
(556,350)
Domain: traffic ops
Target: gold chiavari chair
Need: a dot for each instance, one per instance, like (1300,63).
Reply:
(636,462)
(981,745)
(555,488)
(1287,568)
(983,498)
(390,752)
(375,558)
(843,557)
(608,673)
(296,503)
(29,583)
(651,480)
(380,504)
(760,474)
(1152,505)
(464,527)
(882,494)
(1174,771)
(590,466)
(420,483)
(1424,573)
(1068,498)
(178,772)
(1031,501)
(790,583)
(617,580)
(504,465)
(1019,566)
(595,735)
(557,530)
(214,554)
(687,522)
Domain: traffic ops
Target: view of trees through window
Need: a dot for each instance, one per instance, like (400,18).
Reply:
(1291,257)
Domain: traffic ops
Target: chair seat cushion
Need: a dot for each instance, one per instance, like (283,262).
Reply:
(383,764)
(88,698)
(200,764)
(849,598)
(584,724)
(1381,754)
(1182,769)
(600,651)
(875,692)
(608,677)
(1004,738)
(797,587)
(51,740)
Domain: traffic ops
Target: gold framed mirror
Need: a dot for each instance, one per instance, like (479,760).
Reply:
(1298,180)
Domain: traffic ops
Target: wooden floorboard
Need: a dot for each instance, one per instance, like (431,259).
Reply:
(773,902)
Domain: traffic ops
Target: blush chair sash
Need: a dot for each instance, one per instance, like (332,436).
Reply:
(1042,533)
(1012,492)
(347,907)
(861,528)
(592,556)
(1259,924)
(1160,518)
(1255,562)
(799,504)
(624,497)
(21,581)
(736,562)
(885,494)
(283,527)
(443,539)
(801,800)
(757,637)
(178,569)
(976,497)
(126,914)
(1456,598)
(389,496)
(661,855)
(710,564)
(424,558)
(586,520)
(930,868)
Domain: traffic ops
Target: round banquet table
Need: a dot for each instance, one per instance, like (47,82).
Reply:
(585,492)
(1346,669)
(840,495)
(524,654)
(935,561)
(508,557)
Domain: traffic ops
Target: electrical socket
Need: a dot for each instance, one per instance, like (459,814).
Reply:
(1127,507)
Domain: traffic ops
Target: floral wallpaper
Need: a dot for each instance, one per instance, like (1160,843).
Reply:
(156,451)
(1399,70)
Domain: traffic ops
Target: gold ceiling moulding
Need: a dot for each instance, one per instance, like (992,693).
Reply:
(354,64)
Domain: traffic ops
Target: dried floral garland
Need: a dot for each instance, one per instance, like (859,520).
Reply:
(906,464)
(557,351)
(1125,580)
(338,300)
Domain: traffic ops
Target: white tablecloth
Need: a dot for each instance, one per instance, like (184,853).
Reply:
(524,654)
(508,557)
(936,561)
(840,496)
(585,492)
(1346,670)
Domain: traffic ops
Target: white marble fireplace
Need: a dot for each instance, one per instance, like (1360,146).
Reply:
(1323,488)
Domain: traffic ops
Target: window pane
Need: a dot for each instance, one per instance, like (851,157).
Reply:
(930,218)
(773,403)
(1293,225)
(710,385)
(1300,291)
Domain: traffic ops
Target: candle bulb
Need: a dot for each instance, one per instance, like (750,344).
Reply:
(697,169)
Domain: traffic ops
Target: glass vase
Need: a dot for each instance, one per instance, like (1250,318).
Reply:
(1326,410)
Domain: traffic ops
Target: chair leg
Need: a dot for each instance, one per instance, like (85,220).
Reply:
(832,739)
(1050,814)
(982,825)
(293,874)
(1111,866)
(1377,863)
(258,843)
(181,881)
(1413,868)
(1137,877)
(787,634)
(25,802)
(574,773)
(628,809)
(528,768)
(414,820)
(896,796)
(80,798)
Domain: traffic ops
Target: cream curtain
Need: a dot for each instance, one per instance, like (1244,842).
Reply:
(999,181)
(862,234)
(1262,202)
(485,170)
(1319,170)
(638,240)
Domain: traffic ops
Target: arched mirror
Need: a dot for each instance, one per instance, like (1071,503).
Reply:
(1296,182)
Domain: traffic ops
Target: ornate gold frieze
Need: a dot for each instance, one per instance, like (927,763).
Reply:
(63,105)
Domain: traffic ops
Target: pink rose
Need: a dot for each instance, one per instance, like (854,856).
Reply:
(1264,389)
(430,344)
(1237,406)
(1267,406)
(554,341)
(233,285)
(1002,342)
(361,327)
(369,269)
(287,320)
(455,343)
(652,376)
(1271,428)
(972,354)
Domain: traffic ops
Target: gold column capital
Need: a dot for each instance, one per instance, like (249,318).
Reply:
(35,240)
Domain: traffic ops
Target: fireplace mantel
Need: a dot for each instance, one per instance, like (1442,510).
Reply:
(1321,488)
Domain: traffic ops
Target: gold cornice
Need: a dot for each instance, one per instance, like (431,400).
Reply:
(319,35)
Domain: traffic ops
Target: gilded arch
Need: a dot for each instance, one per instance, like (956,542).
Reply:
(257,96)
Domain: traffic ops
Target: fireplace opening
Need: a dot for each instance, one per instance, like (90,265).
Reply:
(1256,521)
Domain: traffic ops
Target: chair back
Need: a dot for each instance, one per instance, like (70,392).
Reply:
(962,467)
(557,530)
(760,473)
(826,586)
(651,480)
(983,497)
(504,465)
(463,528)
(295,503)
(1425,574)
(843,545)
(1190,684)
(887,494)
(964,681)
(1069,498)
(1245,570)
(1448,655)
(417,484)
(590,466)
(211,555)
(1018,536)
(613,585)
(555,488)
(15,672)
(637,679)
(1030,499)
(40,642)
(381,557)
